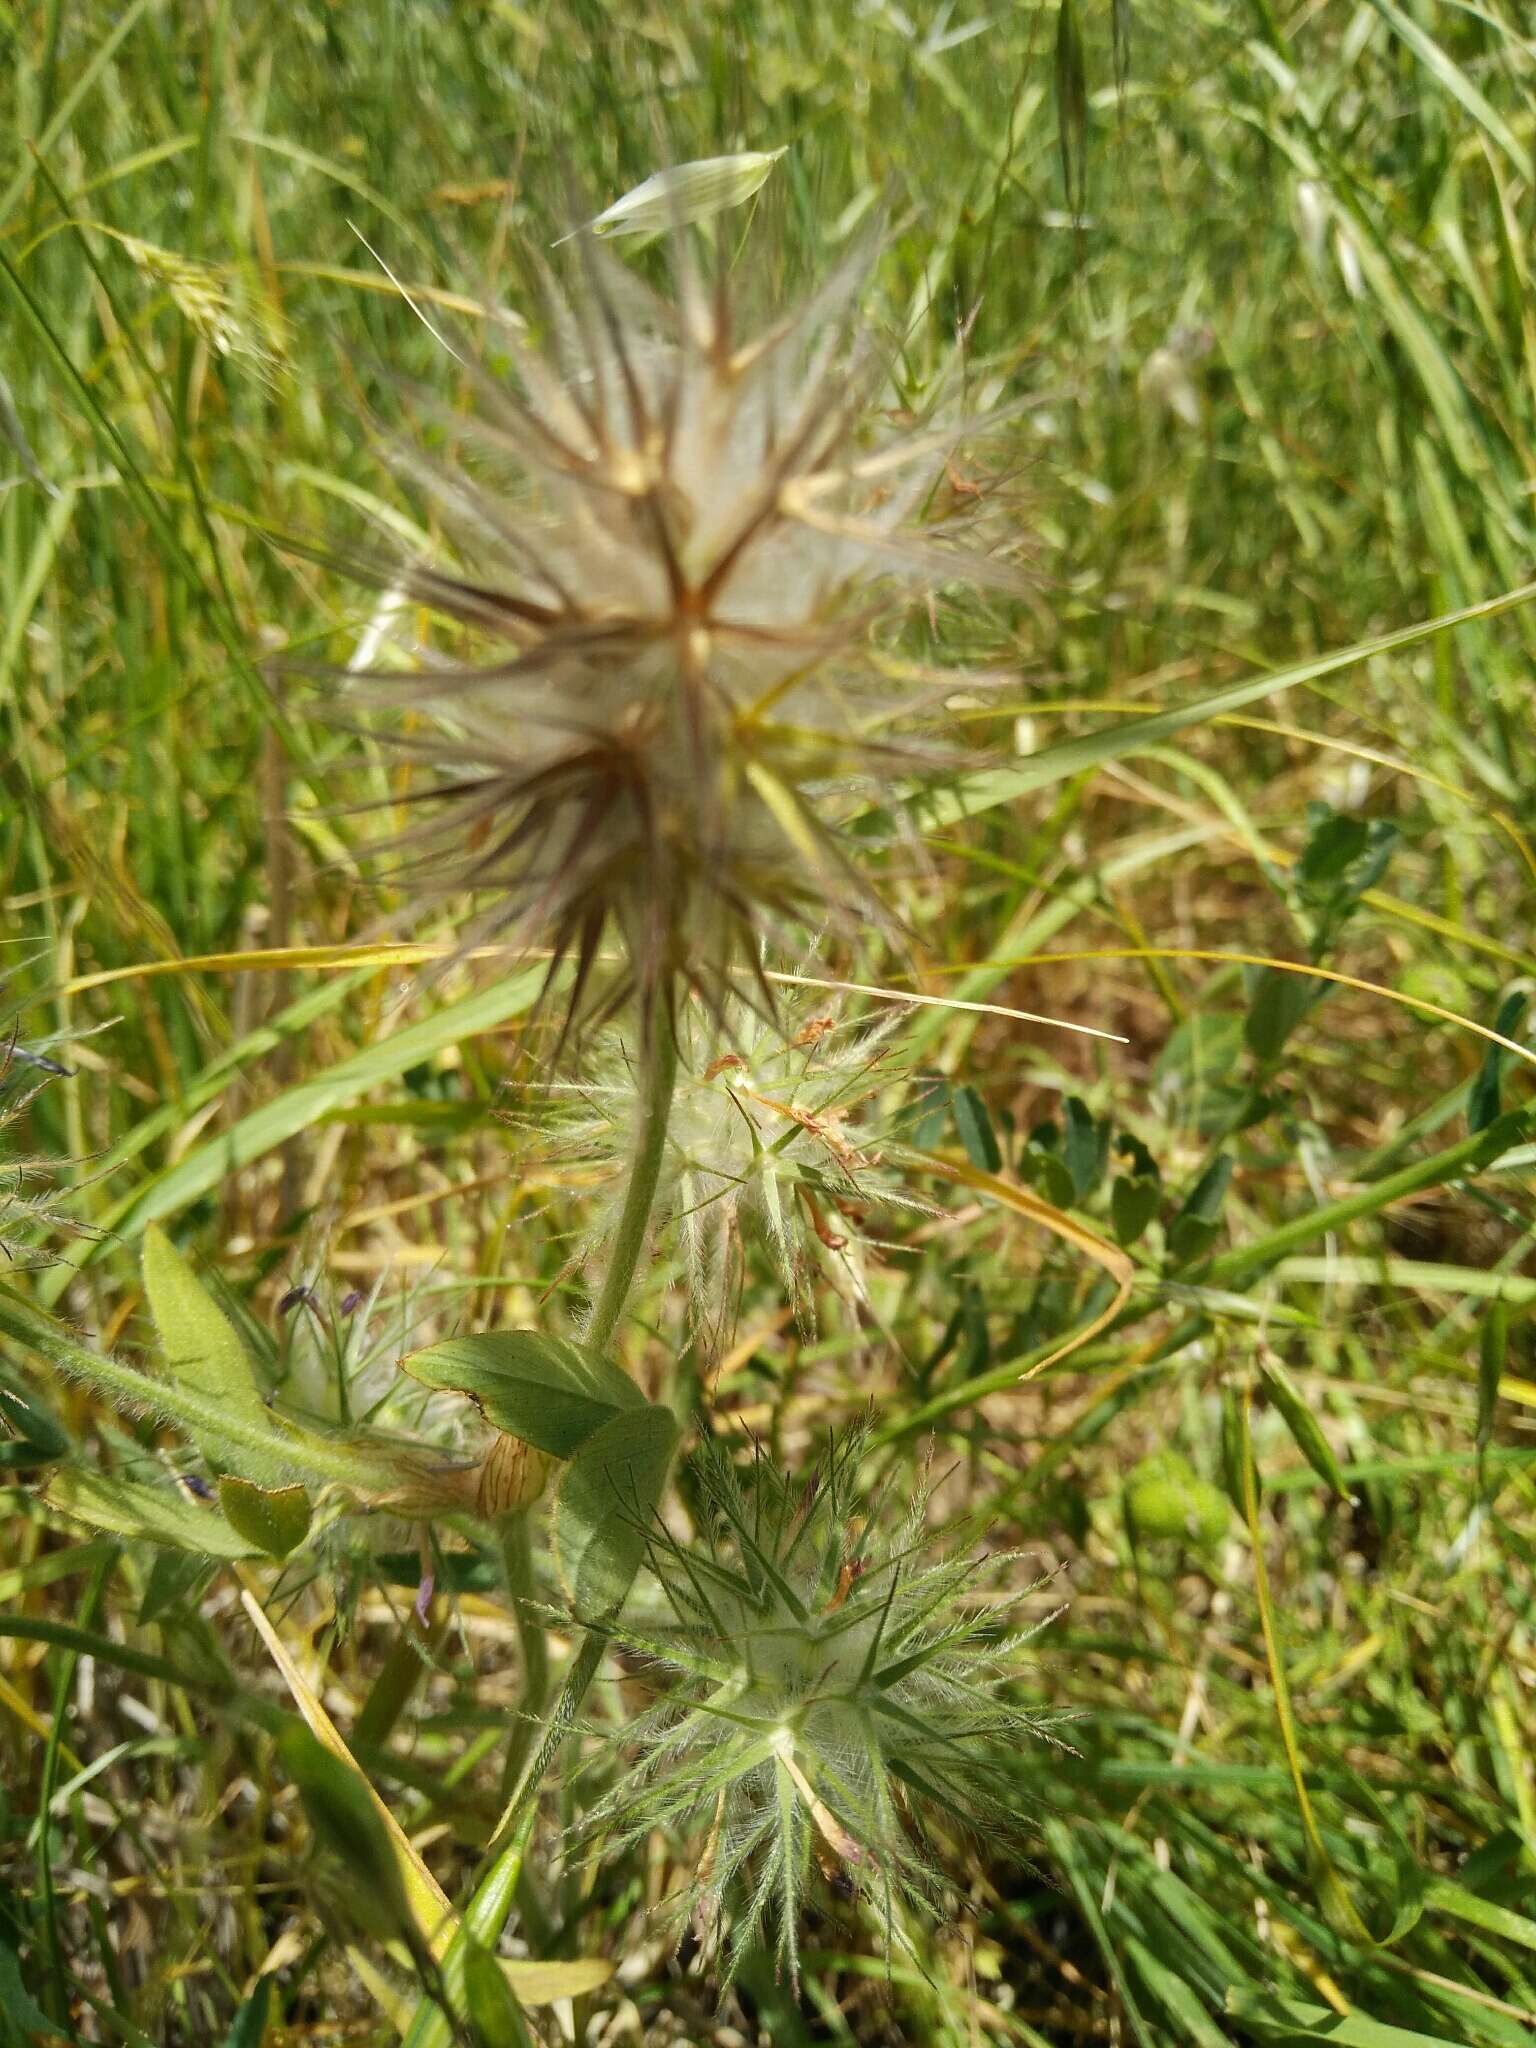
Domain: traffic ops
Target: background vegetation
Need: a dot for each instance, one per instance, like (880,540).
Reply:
(1263,273)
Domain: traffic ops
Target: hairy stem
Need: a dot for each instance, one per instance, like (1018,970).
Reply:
(517,1558)
(659,1079)
(493,1897)
(489,1908)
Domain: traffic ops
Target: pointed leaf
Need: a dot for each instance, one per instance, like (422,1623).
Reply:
(605,1504)
(1291,2019)
(493,2011)
(1303,1425)
(250,2022)
(975,1128)
(344,1815)
(173,1576)
(39,1438)
(550,1392)
(539,1983)
(157,1514)
(202,1350)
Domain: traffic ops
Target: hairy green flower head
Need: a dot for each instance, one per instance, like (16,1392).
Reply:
(827,1681)
(774,1129)
(660,707)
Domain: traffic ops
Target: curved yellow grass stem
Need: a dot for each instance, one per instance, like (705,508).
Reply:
(1036,1210)
(1224,958)
(279,959)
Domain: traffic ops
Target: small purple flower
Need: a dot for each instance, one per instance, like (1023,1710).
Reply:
(350,1303)
(292,1299)
(197,1486)
(424,1594)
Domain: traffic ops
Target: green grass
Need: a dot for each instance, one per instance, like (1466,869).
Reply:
(1279,347)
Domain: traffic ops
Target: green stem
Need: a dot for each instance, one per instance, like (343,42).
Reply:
(517,1558)
(489,1908)
(407,1664)
(491,1903)
(660,1078)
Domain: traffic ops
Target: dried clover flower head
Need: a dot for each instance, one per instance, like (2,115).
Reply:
(773,1124)
(669,568)
(824,1675)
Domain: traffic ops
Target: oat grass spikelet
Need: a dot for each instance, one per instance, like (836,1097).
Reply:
(660,705)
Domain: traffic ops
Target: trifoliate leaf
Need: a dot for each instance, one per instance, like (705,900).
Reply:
(605,1505)
(550,1392)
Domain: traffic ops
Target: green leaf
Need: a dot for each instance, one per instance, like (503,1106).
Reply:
(1134,1197)
(975,1128)
(1071,106)
(1234,1452)
(550,1392)
(1277,1003)
(1485,1099)
(1174,1994)
(1303,1425)
(172,1578)
(1042,1165)
(349,1826)
(493,2010)
(16,2003)
(603,1510)
(1084,1148)
(202,1349)
(1431,52)
(1193,1231)
(1291,2019)
(1132,1205)
(39,1439)
(250,2023)
(272,1449)
(1492,1350)
(968,796)
(1343,858)
(157,1514)
(274,1518)
(270,1124)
